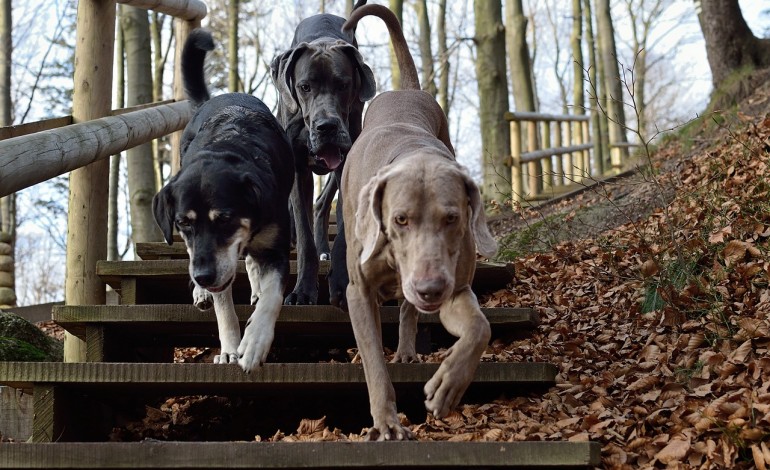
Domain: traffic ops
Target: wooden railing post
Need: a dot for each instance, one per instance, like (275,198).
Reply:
(559,176)
(88,186)
(533,172)
(586,152)
(517,189)
(569,167)
(547,165)
(577,157)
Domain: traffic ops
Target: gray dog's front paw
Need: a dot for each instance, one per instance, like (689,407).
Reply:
(392,430)
(299,297)
(445,389)
(406,356)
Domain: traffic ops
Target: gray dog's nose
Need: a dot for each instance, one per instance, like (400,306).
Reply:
(430,290)
(326,126)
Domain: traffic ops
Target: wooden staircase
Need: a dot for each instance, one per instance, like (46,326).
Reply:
(130,362)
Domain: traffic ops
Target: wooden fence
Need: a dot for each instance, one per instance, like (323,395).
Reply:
(558,153)
(81,143)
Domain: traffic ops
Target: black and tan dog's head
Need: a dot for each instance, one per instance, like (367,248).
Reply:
(324,80)
(216,208)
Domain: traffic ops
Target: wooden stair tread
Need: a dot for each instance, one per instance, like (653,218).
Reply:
(218,378)
(167,281)
(307,319)
(282,455)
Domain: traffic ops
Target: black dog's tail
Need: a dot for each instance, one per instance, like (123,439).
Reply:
(198,43)
(409,78)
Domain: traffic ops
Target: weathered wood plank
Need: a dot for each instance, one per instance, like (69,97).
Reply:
(128,377)
(350,455)
(44,406)
(306,319)
(190,10)
(15,414)
(167,281)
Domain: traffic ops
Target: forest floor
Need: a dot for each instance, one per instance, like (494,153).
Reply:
(654,305)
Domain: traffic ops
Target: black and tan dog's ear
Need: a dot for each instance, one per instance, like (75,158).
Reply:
(282,72)
(163,209)
(368,86)
(485,243)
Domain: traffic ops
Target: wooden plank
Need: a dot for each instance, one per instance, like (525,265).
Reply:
(190,10)
(343,455)
(303,319)
(16,413)
(94,338)
(43,428)
(502,377)
(531,116)
(167,281)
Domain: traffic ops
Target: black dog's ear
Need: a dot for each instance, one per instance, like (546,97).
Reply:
(253,191)
(368,87)
(163,209)
(282,71)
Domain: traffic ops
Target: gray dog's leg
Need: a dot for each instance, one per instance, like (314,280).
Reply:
(338,274)
(365,318)
(321,211)
(462,317)
(306,290)
(407,334)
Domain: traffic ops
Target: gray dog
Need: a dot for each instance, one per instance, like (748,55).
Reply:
(415,219)
(323,84)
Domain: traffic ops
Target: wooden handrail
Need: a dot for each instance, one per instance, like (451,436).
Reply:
(530,116)
(32,159)
(190,10)
(550,152)
(27,128)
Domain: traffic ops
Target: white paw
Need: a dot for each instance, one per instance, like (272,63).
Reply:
(325,257)
(202,298)
(226,358)
(254,346)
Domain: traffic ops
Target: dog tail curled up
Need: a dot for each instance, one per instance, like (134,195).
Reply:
(409,78)
(198,43)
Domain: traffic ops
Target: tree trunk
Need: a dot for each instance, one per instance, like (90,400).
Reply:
(158,63)
(443,58)
(598,121)
(493,98)
(426,52)
(348,7)
(576,40)
(234,81)
(397,7)
(518,56)
(613,81)
(8,203)
(139,161)
(730,44)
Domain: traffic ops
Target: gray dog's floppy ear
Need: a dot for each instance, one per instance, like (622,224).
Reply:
(369,217)
(368,87)
(163,210)
(282,71)
(485,243)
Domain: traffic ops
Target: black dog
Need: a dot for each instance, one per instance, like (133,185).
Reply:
(323,84)
(231,198)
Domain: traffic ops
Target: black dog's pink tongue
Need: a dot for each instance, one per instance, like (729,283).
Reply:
(331,157)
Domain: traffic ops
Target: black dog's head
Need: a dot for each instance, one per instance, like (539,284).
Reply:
(324,80)
(213,205)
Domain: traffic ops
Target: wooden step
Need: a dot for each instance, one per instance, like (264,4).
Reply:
(113,333)
(83,401)
(281,455)
(167,281)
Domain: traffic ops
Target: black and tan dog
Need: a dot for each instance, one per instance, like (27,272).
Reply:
(230,198)
(323,83)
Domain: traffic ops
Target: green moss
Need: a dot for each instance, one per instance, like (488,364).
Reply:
(26,335)
(13,349)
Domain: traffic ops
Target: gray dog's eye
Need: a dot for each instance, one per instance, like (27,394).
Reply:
(401,219)
(183,223)
(451,218)
(305,88)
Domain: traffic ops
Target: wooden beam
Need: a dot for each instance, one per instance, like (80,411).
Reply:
(540,154)
(31,159)
(190,10)
(530,116)
(281,455)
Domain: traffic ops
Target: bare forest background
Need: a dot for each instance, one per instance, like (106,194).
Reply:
(659,50)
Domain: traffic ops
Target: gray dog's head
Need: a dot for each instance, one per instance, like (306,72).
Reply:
(429,212)
(324,80)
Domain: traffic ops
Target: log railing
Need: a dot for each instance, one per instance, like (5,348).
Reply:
(81,143)
(558,152)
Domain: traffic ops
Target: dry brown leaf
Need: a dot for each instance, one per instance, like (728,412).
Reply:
(759,458)
(739,355)
(643,383)
(310,426)
(675,451)
(734,251)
